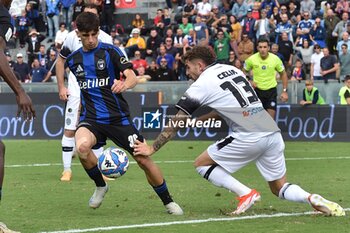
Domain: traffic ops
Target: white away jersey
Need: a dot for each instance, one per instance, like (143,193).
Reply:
(71,44)
(225,89)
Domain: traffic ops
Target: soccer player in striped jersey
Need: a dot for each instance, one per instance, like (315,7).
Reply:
(71,95)
(105,113)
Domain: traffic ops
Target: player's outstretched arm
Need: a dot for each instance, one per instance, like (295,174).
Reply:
(23,100)
(141,148)
(130,82)
(62,90)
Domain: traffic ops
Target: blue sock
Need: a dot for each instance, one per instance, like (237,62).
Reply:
(163,193)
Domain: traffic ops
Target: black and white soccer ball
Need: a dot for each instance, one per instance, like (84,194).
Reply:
(113,162)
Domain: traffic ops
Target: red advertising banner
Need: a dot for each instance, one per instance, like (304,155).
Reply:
(125,3)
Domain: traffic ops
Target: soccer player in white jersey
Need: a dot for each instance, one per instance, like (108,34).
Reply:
(72,95)
(253,135)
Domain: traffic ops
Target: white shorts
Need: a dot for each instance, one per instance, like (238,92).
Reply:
(71,116)
(267,153)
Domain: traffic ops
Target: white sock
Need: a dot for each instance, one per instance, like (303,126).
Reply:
(221,178)
(68,145)
(98,152)
(293,192)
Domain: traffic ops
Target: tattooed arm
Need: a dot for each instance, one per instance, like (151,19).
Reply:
(141,148)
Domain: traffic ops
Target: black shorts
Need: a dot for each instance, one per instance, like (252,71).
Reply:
(122,135)
(268,97)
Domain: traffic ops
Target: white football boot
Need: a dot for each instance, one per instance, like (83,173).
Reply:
(329,208)
(97,198)
(174,209)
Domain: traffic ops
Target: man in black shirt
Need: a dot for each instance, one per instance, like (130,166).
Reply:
(329,65)
(23,100)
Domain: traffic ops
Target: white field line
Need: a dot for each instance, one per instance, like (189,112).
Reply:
(194,221)
(178,161)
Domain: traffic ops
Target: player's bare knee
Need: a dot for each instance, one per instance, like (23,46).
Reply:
(83,148)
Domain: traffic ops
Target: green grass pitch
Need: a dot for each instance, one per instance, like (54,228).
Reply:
(34,200)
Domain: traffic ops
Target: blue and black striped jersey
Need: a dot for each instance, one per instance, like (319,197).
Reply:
(96,71)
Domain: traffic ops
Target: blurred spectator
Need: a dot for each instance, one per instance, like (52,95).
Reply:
(298,71)
(138,61)
(293,12)
(311,95)
(118,43)
(190,37)
(222,47)
(256,11)
(248,24)
(61,34)
(201,30)
(306,52)
(23,23)
(22,68)
(315,67)
(285,47)
(33,40)
(235,33)
(344,92)
(342,6)
(107,15)
(238,64)
(284,26)
(164,73)
(240,9)
(153,43)
(203,9)
(9,59)
(188,11)
(141,76)
(78,7)
(51,67)
(269,4)
(178,38)
(185,25)
(344,60)
(215,14)
(136,42)
(139,23)
(329,66)
(245,48)
(232,57)
(276,15)
(308,6)
(52,16)
(341,26)
(163,54)
(151,70)
(263,26)
(345,40)
(166,18)
(221,24)
(169,33)
(33,15)
(304,27)
(170,49)
(67,11)
(38,73)
(330,22)
(43,56)
(158,22)
(275,50)
(318,33)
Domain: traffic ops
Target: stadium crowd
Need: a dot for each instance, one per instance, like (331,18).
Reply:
(311,37)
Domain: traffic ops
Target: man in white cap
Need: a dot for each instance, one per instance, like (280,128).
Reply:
(136,42)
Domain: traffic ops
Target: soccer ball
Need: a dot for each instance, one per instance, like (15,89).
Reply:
(113,162)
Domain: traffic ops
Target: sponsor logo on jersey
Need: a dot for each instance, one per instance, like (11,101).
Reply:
(79,71)
(123,60)
(101,64)
(93,83)
(252,111)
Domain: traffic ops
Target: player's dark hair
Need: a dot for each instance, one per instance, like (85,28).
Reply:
(204,53)
(264,40)
(87,22)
